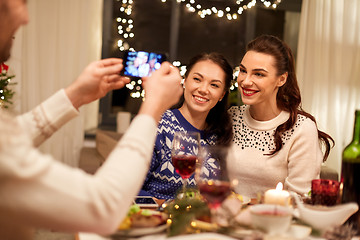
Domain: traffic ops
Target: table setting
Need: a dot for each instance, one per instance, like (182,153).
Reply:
(277,214)
(212,210)
(189,217)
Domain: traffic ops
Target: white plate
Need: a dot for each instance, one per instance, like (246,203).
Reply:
(202,236)
(299,231)
(136,232)
(295,232)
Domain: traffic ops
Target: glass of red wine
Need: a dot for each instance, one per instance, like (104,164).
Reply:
(184,154)
(212,176)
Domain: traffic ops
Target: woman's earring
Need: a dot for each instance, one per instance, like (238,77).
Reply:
(220,99)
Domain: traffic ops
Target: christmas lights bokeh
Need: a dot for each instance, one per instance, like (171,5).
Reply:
(230,10)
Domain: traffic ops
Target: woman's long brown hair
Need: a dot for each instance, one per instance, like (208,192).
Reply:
(288,97)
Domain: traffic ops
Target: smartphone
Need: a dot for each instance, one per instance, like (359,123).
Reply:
(141,63)
(146,201)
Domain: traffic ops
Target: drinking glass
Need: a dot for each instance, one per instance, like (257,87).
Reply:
(184,154)
(212,176)
(324,192)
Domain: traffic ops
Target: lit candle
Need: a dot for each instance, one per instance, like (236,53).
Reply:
(277,196)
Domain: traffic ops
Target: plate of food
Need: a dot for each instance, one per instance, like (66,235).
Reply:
(141,222)
(241,198)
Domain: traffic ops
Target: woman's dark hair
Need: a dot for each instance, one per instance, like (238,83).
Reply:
(218,120)
(288,97)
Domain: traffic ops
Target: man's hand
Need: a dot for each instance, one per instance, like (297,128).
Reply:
(162,90)
(97,79)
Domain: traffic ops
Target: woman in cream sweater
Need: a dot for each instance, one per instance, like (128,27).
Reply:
(274,138)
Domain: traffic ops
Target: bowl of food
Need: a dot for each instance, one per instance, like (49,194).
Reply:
(272,219)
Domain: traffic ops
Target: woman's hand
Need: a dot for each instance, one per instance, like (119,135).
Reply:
(97,79)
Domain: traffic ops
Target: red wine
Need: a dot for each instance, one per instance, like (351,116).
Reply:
(215,192)
(351,188)
(184,165)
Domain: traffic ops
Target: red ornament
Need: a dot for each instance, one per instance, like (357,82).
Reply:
(3,66)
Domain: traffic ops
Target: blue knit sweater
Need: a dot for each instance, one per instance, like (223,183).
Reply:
(162,181)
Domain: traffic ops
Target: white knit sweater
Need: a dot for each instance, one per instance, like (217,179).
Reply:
(37,191)
(295,165)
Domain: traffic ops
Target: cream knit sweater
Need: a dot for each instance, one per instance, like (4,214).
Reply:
(38,191)
(295,165)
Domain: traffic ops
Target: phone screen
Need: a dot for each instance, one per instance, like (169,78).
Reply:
(145,200)
(141,64)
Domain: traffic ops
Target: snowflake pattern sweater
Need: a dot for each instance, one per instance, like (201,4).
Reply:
(162,181)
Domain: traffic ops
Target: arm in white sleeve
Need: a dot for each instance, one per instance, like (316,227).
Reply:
(48,117)
(305,158)
(37,191)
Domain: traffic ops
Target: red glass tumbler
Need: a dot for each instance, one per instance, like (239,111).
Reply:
(324,192)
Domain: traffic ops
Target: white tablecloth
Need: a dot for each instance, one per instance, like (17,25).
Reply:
(201,236)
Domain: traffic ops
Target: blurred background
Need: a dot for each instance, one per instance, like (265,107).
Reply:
(63,36)
(182,29)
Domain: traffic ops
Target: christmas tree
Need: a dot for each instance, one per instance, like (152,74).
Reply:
(5,92)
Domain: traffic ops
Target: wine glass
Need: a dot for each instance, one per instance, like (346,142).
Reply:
(212,176)
(184,151)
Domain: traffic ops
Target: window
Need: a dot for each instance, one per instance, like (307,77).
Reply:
(168,27)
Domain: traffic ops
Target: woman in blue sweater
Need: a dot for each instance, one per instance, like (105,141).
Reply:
(203,108)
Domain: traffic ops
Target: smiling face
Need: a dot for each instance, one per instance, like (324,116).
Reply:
(13,14)
(204,87)
(259,82)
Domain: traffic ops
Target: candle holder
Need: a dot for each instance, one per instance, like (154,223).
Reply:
(277,196)
(324,192)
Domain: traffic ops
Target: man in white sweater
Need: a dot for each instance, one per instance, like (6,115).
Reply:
(37,191)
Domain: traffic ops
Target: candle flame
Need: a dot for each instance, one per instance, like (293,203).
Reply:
(279,186)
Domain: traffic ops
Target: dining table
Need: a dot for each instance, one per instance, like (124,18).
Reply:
(207,235)
(197,236)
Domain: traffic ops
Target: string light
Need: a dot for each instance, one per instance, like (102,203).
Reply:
(126,26)
(230,12)
(125,30)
